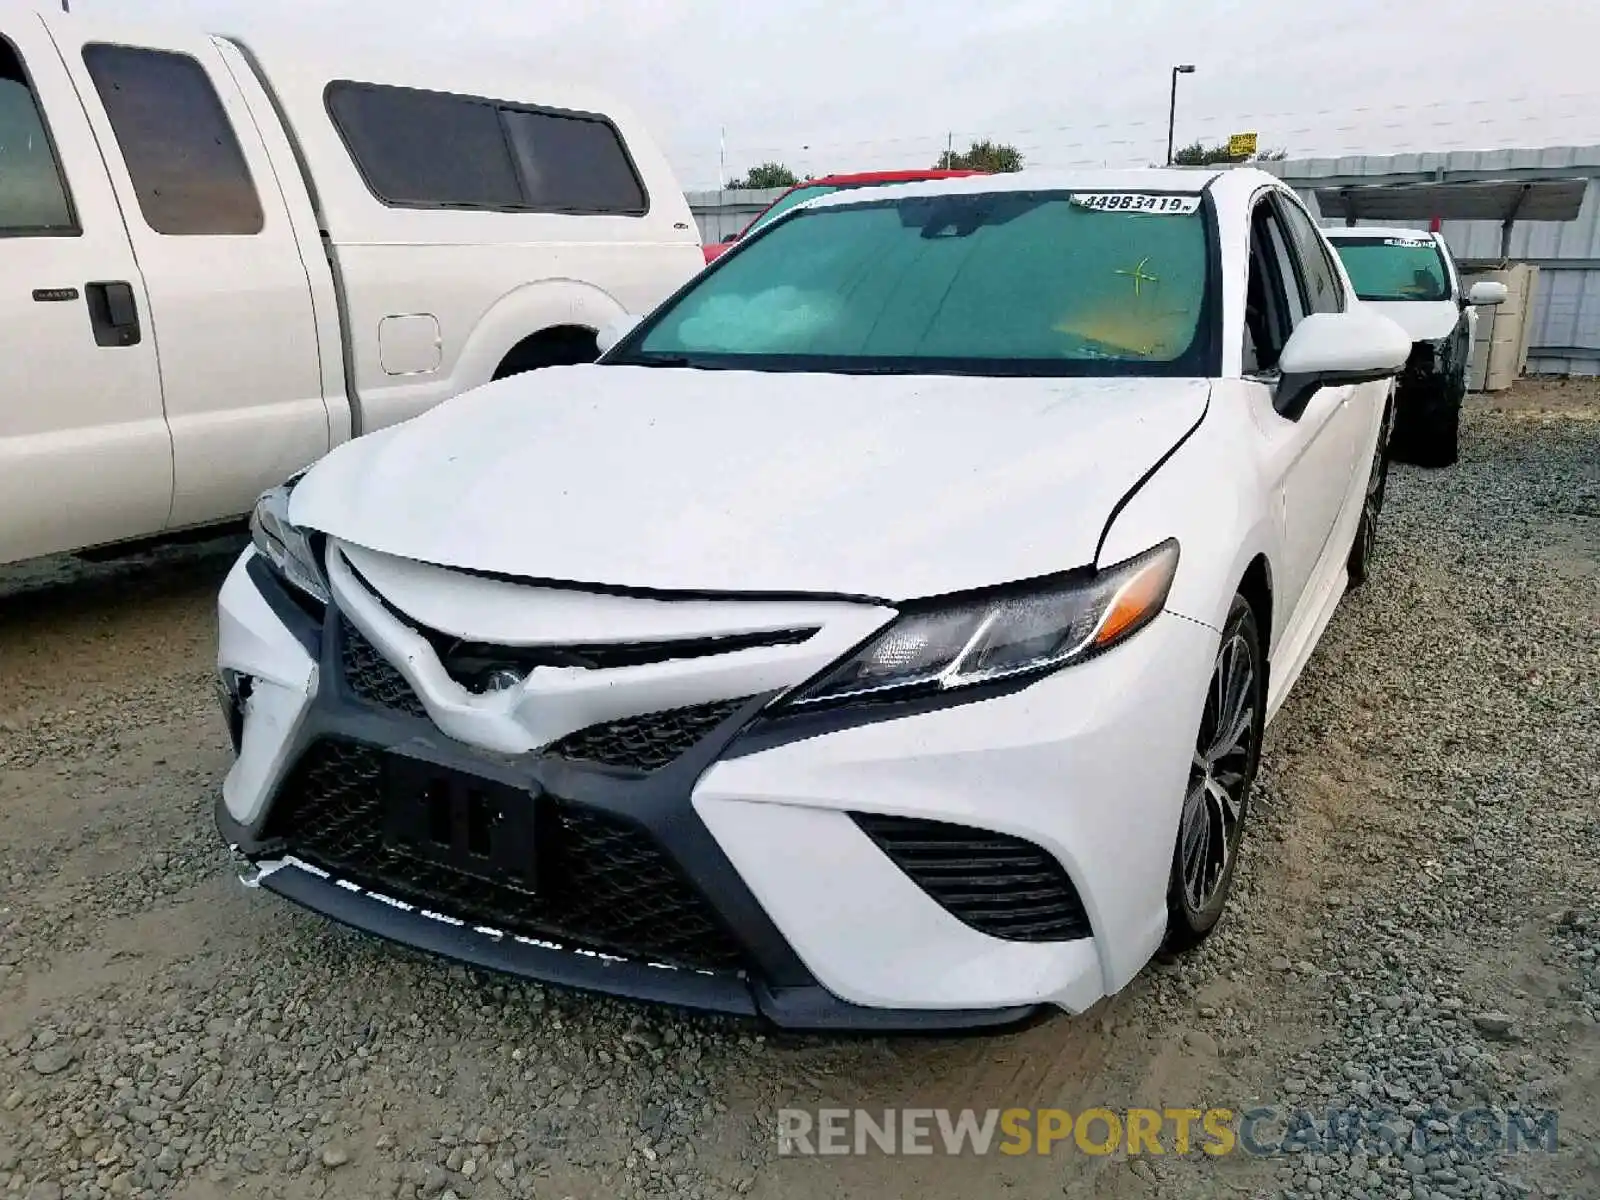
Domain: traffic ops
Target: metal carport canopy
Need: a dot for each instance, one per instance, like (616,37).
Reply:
(1503,200)
(1487,200)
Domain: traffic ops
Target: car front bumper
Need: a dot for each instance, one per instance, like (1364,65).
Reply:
(753,873)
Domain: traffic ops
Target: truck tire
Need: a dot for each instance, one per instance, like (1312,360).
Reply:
(564,345)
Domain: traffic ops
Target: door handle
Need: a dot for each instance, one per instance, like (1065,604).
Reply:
(113,313)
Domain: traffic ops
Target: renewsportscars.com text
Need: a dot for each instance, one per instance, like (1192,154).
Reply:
(1100,1131)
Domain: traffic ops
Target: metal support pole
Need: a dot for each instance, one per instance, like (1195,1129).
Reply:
(1172,104)
(1172,111)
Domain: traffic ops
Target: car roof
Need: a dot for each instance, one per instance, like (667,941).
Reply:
(1233,182)
(1382,231)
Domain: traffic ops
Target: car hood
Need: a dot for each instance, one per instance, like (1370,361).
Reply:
(1423,320)
(888,487)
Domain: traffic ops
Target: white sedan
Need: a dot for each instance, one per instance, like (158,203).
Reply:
(1411,277)
(880,635)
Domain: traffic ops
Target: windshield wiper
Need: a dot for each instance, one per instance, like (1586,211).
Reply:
(666,360)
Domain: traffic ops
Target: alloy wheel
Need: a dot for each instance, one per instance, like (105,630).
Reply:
(1213,807)
(1372,504)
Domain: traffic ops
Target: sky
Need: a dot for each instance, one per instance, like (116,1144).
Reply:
(878,84)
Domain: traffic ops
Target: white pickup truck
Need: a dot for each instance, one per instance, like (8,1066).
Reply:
(220,258)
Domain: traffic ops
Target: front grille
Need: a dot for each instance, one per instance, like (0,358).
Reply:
(999,885)
(604,884)
(641,743)
(645,742)
(371,676)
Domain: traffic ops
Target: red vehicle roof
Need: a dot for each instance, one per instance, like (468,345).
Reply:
(856,179)
(884,177)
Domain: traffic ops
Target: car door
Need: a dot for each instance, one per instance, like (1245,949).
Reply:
(85,455)
(1355,427)
(1309,453)
(230,297)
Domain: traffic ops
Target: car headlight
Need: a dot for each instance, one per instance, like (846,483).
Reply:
(285,545)
(1002,636)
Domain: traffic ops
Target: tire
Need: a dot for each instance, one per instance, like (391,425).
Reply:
(1428,433)
(1435,441)
(1217,798)
(1359,565)
(562,346)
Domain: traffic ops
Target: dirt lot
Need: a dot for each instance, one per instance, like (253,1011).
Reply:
(1416,932)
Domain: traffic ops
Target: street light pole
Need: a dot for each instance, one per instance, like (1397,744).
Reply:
(1172,105)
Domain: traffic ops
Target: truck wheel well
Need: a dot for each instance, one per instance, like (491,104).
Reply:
(1256,587)
(558,346)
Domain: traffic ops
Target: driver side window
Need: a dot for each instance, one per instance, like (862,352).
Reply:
(1273,292)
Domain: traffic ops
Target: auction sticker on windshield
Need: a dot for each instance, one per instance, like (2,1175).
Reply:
(1137,202)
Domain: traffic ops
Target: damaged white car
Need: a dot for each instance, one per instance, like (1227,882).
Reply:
(880,635)
(1411,277)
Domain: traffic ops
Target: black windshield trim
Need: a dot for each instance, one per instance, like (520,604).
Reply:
(1203,358)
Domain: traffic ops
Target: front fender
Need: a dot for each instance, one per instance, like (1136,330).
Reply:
(1211,495)
(528,309)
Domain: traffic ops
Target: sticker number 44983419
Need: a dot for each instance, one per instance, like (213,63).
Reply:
(1137,202)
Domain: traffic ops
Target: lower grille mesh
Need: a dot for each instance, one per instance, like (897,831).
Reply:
(604,883)
(646,742)
(371,676)
(1000,885)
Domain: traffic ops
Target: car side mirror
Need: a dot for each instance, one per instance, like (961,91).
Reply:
(614,331)
(1331,349)
(1486,292)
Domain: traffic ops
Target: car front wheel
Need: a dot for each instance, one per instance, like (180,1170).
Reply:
(1223,768)
(1428,433)
(1359,564)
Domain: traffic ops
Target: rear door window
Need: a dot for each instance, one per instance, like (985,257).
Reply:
(189,173)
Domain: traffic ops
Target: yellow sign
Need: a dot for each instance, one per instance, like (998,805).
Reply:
(1241,145)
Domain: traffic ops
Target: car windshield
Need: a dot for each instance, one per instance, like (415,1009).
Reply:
(1394,268)
(1014,283)
(787,201)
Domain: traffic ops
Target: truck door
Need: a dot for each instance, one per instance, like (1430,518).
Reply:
(85,456)
(229,294)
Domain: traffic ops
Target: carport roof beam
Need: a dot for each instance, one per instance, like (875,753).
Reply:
(1502,200)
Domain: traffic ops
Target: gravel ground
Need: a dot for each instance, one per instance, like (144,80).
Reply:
(1415,933)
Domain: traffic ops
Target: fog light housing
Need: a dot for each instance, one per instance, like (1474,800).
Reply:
(233,692)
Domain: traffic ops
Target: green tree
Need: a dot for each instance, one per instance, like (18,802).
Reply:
(767,175)
(1198,154)
(981,156)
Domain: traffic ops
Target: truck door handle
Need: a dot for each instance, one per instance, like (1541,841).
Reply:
(113,313)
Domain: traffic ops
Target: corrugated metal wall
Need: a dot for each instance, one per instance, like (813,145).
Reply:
(1566,330)
(720,215)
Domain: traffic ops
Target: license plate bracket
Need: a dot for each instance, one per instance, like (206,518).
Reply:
(454,819)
